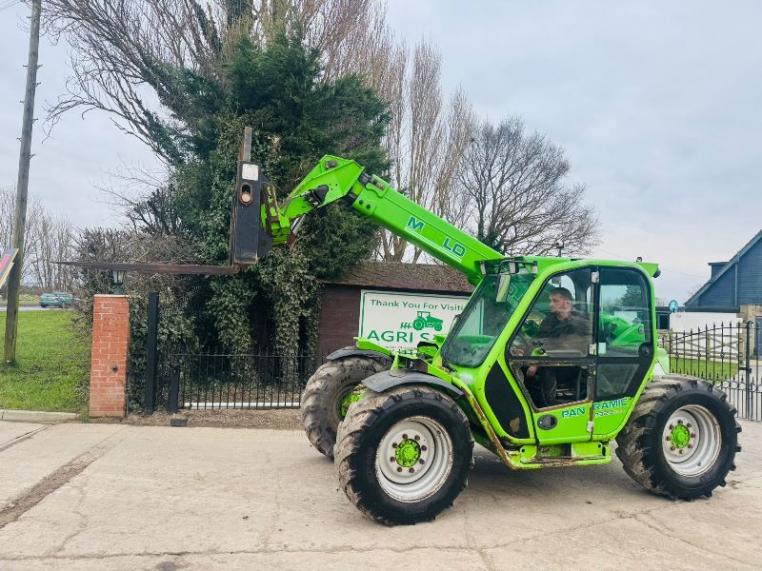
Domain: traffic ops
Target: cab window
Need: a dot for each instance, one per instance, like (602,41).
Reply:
(549,353)
(625,316)
(624,333)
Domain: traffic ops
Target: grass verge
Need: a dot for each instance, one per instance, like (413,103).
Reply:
(710,370)
(52,363)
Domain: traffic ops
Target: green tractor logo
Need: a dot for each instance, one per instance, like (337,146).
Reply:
(424,320)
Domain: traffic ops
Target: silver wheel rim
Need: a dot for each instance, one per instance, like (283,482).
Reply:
(416,482)
(691,440)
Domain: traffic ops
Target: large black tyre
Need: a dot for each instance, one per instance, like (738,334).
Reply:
(375,431)
(681,439)
(324,393)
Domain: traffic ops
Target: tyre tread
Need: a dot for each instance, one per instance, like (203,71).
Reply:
(318,397)
(361,416)
(634,448)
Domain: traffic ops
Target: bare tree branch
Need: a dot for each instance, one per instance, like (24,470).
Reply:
(425,139)
(48,239)
(519,200)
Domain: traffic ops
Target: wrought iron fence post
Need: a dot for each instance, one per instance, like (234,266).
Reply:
(152,337)
(749,394)
(174,390)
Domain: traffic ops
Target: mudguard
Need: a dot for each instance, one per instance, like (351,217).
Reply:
(353,351)
(385,380)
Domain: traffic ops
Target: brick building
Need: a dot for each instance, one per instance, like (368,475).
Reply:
(341,299)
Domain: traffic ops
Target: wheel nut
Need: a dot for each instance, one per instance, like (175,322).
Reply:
(417,437)
(693,435)
(668,439)
(690,445)
(411,470)
(688,424)
(404,437)
(671,426)
(394,445)
(423,448)
(421,461)
(671,447)
(682,451)
(399,469)
(680,421)
(392,459)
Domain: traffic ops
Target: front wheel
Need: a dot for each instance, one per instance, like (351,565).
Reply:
(404,456)
(681,440)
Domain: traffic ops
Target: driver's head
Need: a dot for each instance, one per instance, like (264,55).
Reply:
(561,302)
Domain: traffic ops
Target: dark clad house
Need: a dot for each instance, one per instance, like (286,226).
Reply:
(340,300)
(734,286)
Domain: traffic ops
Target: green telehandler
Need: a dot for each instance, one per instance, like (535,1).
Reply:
(547,366)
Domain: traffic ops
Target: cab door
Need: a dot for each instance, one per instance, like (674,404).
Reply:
(551,356)
(625,344)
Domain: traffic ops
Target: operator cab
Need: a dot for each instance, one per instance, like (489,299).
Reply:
(584,336)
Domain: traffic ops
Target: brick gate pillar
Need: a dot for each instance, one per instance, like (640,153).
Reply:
(108,364)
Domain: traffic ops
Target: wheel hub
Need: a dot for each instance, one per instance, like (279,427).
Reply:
(408,452)
(413,459)
(681,436)
(691,440)
(346,401)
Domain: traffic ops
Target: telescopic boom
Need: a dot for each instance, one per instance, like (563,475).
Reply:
(334,178)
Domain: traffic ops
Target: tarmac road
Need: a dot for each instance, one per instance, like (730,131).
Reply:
(113,496)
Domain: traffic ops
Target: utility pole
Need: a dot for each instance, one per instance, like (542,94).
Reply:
(22,186)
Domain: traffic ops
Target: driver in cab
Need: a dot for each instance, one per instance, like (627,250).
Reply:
(566,329)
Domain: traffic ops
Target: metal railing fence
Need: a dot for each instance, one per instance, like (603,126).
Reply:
(221,380)
(728,355)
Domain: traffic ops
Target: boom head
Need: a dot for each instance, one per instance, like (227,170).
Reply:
(249,240)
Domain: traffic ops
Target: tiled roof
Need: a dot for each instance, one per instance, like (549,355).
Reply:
(399,275)
(728,265)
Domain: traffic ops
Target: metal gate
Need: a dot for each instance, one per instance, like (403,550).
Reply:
(727,355)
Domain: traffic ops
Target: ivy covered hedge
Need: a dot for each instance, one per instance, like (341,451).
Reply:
(297,117)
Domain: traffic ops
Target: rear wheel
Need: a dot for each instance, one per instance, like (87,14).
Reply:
(328,394)
(404,456)
(681,439)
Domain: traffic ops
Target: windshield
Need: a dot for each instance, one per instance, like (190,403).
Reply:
(484,318)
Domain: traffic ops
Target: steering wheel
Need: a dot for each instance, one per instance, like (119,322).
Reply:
(524,346)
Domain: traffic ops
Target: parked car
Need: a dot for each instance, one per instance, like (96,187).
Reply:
(56,299)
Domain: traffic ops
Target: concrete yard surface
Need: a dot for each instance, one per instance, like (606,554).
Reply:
(113,496)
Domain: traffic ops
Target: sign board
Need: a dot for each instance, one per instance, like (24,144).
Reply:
(673,306)
(6,262)
(401,320)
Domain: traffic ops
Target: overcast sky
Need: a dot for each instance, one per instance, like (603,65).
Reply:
(656,103)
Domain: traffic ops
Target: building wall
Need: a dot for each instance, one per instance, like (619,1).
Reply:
(339,317)
(687,321)
(750,276)
(721,293)
(750,312)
